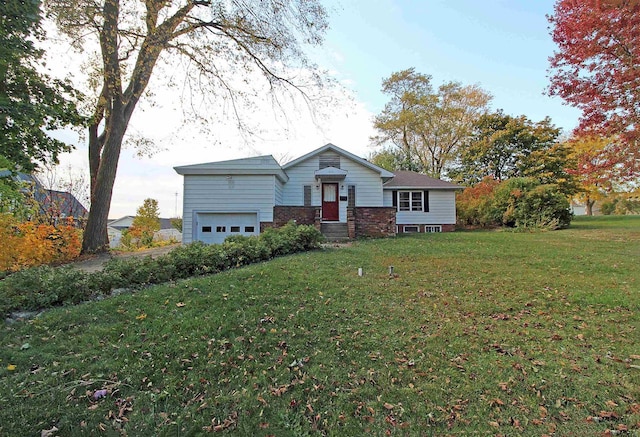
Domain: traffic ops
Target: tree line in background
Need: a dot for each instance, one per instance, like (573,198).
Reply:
(448,131)
(451,132)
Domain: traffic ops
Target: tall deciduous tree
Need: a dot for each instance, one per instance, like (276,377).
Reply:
(503,147)
(599,166)
(221,42)
(30,101)
(425,126)
(597,66)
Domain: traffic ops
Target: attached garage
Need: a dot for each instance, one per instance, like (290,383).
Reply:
(214,227)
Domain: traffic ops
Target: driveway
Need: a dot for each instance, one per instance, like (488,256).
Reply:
(95,262)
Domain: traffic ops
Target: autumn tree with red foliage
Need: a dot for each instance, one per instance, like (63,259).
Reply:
(597,67)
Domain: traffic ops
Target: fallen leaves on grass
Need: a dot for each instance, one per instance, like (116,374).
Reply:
(221,425)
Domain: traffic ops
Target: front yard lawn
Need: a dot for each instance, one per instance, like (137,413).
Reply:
(475,333)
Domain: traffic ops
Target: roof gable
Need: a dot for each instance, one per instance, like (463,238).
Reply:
(411,179)
(333,148)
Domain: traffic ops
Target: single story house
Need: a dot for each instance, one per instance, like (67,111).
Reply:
(343,195)
(116,226)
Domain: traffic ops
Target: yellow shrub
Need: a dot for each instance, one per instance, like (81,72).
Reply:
(29,244)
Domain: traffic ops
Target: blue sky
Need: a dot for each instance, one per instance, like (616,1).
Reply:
(501,45)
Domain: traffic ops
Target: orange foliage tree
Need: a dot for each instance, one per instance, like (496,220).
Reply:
(600,165)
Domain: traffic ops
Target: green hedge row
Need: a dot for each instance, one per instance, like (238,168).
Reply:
(43,287)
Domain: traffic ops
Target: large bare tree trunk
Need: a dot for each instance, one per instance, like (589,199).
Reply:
(201,31)
(95,234)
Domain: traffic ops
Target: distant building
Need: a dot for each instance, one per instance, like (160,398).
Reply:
(116,226)
(54,205)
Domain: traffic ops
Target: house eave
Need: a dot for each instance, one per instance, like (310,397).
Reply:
(414,187)
(281,175)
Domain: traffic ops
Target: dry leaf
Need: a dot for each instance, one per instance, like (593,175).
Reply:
(48,432)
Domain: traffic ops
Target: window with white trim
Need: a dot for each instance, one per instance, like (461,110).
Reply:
(412,201)
(410,229)
(433,228)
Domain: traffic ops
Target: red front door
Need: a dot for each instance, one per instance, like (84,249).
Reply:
(330,202)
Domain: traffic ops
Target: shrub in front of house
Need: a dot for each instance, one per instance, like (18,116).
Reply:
(291,238)
(43,287)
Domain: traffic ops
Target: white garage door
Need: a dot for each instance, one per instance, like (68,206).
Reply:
(215,227)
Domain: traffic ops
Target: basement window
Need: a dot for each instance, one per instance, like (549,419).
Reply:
(433,228)
(249,229)
(206,229)
(221,229)
(235,228)
(411,229)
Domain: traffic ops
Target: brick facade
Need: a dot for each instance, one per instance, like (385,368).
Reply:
(302,215)
(375,221)
(265,225)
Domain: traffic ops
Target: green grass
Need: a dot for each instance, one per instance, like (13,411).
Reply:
(480,333)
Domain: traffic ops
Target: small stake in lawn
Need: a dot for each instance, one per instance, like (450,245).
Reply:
(360,273)
(390,270)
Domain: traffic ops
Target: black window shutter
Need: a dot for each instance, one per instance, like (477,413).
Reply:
(425,202)
(351,193)
(307,195)
(394,195)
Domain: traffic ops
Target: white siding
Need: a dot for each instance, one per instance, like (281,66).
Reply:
(368,184)
(442,209)
(218,193)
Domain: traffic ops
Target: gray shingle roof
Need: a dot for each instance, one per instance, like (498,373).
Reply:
(411,179)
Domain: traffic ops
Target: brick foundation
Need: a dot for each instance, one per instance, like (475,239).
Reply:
(351,223)
(302,215)
(375,221)
(421,228)
(265,225)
